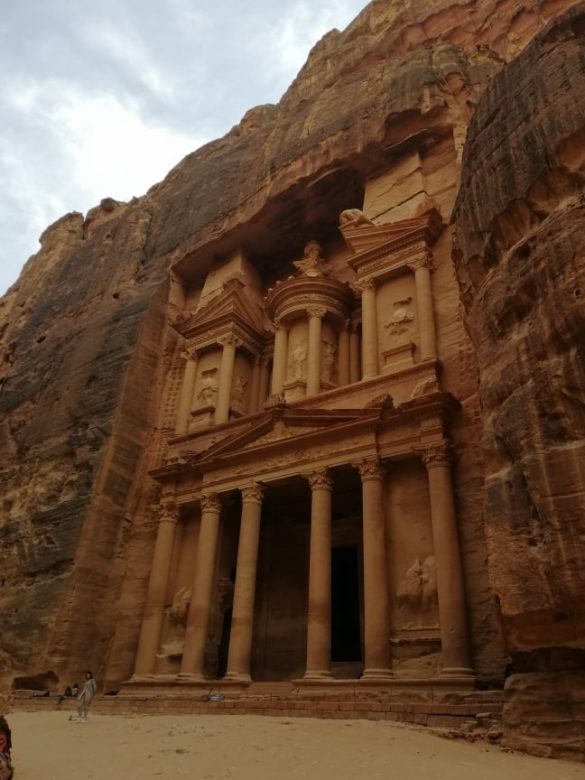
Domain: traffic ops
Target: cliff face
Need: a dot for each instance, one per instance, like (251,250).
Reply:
(85,344)
(520,256)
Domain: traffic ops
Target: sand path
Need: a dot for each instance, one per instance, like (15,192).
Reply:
(49,747)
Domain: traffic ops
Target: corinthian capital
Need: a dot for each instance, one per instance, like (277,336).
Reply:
(320,479)
(210,502)
(365,284)
(252,494)
(422,261)
(371,468)
(167,513)
(316,311)
(437,455)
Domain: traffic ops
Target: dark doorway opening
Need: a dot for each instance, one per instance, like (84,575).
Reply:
(345,605)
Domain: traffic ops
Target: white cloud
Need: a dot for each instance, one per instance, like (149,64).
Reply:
(128,51)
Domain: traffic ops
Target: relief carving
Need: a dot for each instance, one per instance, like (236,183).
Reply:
(353,218)
(328,361)
(179,608)
(401,319)
(312,263)
(299,362)
(417,594)
(207,394)
(238,399)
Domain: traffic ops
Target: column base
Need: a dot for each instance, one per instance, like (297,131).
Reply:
(237,677)
(192,677)
(317,676)
(376,675)
(457,671)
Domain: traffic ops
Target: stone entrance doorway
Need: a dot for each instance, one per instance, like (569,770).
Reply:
(346,644)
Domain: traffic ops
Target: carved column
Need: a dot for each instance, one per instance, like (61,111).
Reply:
(255,386)
(343,355)
(240,649)
(157,587)
(198,617)
(376,602)
(319,617)
(314,352)
(450,584)
(226,375)
(354,354)
(264,381)
(425,308)
(369,330)
(187,390)
(280,360)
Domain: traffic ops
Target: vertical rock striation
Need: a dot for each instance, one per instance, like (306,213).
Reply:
(520,258)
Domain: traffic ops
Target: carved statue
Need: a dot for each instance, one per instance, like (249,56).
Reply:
(410,589)
(328,361)
(179,609)
(208,392)
(299,360)
(401,317)
(353,218)
(417,593)
(429,583)
(312,264)
(238,399)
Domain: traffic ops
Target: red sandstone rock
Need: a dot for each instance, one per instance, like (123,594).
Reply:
(520,257)
(88,355)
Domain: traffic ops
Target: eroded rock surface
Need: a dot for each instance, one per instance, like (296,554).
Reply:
(520,257)
(86,349)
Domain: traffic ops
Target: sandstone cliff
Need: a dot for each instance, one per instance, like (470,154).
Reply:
(520,255)
(84,340)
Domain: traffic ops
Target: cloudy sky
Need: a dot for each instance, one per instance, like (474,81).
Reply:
(102,98)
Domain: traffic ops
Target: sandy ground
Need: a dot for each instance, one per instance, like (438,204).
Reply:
(49,747)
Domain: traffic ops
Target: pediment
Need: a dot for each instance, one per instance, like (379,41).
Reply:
(277,426)
(363,238)
(232,303)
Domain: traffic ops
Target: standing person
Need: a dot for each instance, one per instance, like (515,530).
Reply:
(6,770)
(86,696)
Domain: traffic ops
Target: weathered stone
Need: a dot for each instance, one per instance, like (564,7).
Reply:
(520,258)
(91,371)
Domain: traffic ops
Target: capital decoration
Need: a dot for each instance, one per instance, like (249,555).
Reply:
(316,311)
(252,494)
(210,502)
(371,468)
(167,513)
(422,261)
(437,455)
(320,480)
(188,354)
(229,341)
(365,284)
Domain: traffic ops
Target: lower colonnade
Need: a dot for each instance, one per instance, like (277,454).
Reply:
(377,669)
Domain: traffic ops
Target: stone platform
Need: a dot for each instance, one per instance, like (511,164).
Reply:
(441,706)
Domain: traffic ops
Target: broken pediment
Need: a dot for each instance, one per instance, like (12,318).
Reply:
(363,237)
(232,304)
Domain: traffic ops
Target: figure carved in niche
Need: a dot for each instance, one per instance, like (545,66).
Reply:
(238,399)
(313,263)
(299,361)
(417,593)
(180,606)
(401,318)
(208,392)
(353,218)
(328,361)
